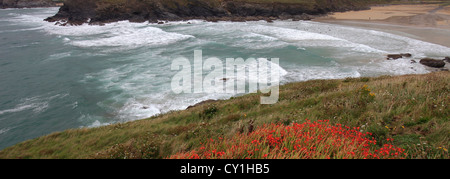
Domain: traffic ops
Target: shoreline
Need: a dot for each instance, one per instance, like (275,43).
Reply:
(425,22)
(426,34)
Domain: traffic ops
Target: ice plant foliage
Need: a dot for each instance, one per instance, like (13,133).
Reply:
(308,140)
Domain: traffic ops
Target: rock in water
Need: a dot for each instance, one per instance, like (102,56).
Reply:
(432,63)
(394,56)
(397,56)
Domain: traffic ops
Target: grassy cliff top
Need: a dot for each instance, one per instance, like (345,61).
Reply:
(411,109)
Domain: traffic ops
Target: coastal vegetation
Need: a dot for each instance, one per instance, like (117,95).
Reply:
(407,115)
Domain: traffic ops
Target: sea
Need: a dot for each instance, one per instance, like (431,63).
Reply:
(54,78)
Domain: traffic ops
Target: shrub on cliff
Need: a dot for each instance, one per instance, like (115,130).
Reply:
(308,140)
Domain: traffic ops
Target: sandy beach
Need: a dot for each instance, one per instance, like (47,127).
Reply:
(426,22)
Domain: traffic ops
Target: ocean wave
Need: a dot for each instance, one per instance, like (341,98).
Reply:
(21,30)
(289,35)
(117,34)
(4,130)
(140,93)
(397,67)
(36,104)
(19,108)
(382,42)
(130,38)
(317,72)
(58,56)
(260,35)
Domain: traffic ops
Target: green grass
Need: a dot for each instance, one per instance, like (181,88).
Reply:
(412,109)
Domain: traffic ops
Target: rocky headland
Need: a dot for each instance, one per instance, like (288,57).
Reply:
(77,12)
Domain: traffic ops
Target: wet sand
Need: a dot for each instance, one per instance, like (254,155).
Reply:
(430,23)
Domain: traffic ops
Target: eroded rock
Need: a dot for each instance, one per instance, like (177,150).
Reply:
(104,11)
(398,56)
(432,62)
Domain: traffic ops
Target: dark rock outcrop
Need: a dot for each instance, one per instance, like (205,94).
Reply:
(77,12)
(26,3)
(103,11)
(398,56)
(432,63)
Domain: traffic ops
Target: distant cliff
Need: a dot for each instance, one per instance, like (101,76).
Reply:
(26,3)
(101,11)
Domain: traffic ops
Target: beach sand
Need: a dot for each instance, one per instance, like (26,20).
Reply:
(430,23)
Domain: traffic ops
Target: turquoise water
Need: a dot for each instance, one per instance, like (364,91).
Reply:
(54,78)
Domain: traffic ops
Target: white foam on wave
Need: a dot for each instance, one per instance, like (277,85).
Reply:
(383,42)
(139,109)
(229,34)
(318,72)
(134,37)
(20,107)
(21,30)
(25,17)
(248,68)
(58,56)
(419,48)
(145,106)
(4,130)
(258,41)
(305,38)
(118,34)
(254,68)
(286,34)
(391,67)
(97,123)
(260,35)
(37,104)
(143,93)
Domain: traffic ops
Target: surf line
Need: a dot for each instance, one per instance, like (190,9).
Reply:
(190,78)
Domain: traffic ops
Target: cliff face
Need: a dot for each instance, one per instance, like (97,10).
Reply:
(26,3)
(100,11)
